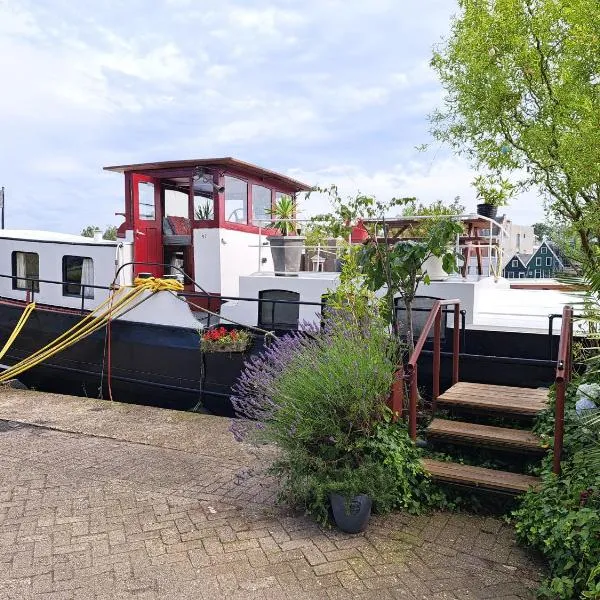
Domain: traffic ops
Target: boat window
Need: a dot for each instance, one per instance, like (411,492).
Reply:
(78,273)
(176,203)
(275,314)
(261,204)
(203,208)
(236,200)
(146,201)
(548,261)
(26,269)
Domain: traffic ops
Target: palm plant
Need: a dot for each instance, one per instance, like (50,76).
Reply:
(283,215)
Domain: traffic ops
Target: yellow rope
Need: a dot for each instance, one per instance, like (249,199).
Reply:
(20,324)
(116,304)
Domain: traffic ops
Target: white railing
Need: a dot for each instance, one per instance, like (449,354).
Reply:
(493,246)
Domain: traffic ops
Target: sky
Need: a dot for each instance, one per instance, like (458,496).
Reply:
(326,91)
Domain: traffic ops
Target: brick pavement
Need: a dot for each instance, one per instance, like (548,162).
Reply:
(93,517)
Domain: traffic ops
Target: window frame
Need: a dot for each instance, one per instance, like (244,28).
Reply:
(273,324)
(248,207)
(544,250)
(252,185)
(89,291)
(537,274)
(515,263)
(31,285)
(548,261)
(538,261)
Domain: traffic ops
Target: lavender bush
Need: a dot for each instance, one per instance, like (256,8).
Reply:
(320,396)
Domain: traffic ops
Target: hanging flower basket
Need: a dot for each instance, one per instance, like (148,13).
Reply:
(225,340)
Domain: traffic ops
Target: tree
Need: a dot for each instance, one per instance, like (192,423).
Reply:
(522,82)
(542,231)
(400,267)
(110,233)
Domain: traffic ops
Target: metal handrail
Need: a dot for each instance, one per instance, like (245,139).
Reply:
(563,376)
(434,320)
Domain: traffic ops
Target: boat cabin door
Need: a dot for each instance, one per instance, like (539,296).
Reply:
(147,229)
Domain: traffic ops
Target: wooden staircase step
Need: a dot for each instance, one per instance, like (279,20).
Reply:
(490,479)
(497,399)
(484,435)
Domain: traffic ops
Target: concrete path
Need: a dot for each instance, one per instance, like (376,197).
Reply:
(102,500)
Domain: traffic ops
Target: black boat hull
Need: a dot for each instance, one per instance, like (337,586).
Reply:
(149,364)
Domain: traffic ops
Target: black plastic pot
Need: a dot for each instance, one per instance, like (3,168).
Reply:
(353,516)
(487,210)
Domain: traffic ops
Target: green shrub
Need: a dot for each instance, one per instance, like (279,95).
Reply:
(333,426)
(562,518)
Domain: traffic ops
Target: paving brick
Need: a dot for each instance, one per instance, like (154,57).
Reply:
(85,517)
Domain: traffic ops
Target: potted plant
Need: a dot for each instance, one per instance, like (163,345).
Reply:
(223,355)
(286,248)
(492,191)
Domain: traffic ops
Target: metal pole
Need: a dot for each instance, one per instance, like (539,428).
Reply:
(2,202)
(455,343)
(412,415)
(437,329)
(260,246)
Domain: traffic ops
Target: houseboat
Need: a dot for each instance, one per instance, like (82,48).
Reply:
(205,224)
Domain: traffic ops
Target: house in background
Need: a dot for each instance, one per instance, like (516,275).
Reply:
(517,239)
(544,262)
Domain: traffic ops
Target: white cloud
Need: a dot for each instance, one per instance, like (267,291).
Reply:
(283,83)
(442,179)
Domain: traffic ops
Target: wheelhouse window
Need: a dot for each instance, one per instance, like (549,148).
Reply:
(261,204)
(274,312)
(236,200)
(146,205)
(203,208)
(26,271)
(78,275)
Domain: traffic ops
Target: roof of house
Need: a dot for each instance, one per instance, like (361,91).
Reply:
(523,257)
(224,163)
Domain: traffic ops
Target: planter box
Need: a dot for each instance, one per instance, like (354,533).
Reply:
(221,371)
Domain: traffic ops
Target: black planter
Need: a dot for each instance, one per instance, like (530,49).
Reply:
(487,210)
(221,371)
(354,517)
(287,254)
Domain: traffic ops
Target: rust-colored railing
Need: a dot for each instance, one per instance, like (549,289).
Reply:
(564,366)
(410,374)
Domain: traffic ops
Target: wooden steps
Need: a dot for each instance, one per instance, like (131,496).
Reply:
(484,435)
(487,401)
(497,399)
(490,479)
